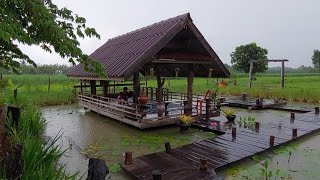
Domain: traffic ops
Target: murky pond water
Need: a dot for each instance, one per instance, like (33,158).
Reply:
(88,134)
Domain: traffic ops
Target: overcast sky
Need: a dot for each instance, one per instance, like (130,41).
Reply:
(287,28)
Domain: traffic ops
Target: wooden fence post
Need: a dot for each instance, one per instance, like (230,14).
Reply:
(97,169)
(234,132)
(15,94)
(292,116)
(208,109)
(257,126)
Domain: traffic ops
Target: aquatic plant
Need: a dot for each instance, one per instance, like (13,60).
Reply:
(228,112)
(247,121)
(186,119)
(266,173)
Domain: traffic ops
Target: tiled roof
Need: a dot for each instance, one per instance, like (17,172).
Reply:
(122,55)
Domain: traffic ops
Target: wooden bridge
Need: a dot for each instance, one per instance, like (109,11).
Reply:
(200,160)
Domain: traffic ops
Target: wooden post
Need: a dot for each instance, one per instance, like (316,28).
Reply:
(93,87)
(15,94)
(128,158)
(189,89)
(168,147)
(208,109)
(271,143)
(81,86)
(166,108)
(294,133)
(316,110)
(234,132)
(169,82)
(151,94)
(105,86)
(97,169)
(49,85)
(250,74)
(146,81)
(257,101)
(282,75)
(203,164)
(156,175)
(159,86)
(15,114)
(292,116)
(136,86)
(257,126)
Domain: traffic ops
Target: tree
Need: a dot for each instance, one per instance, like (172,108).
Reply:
(316,59)
(240,58)
(42,23)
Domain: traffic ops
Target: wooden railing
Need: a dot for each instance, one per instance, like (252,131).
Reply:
(110,105)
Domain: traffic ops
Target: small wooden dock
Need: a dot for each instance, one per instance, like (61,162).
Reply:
(222,151)
(252,103)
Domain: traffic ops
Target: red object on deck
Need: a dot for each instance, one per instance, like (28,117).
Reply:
(199,102)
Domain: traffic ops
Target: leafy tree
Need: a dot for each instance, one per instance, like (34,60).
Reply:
(316,59)
(42,23)
(240,58)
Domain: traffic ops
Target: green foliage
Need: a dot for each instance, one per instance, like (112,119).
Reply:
(316,59)
(241,57)
(266,173)
(114,168)
(44,24)
(247,121)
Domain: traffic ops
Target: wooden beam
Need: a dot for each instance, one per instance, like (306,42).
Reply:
(282,75)
(136,86)
(98,78)
(250,74)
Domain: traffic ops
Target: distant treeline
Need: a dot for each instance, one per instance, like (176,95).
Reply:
(41,69)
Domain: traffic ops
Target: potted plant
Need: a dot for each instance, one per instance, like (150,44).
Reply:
(230,114)
(185,122)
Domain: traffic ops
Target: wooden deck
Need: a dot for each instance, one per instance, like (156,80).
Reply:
(222,151)
(252,103)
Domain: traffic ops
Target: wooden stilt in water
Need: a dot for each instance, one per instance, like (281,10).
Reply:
(316,110)
(271,141)
(292,116)
(128,158)
(234,132)
(257,126)
(294,133)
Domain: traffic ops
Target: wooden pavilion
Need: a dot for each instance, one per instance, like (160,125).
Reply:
(170,48)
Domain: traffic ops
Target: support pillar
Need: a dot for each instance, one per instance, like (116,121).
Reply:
(160,84)
(136,86)
(189,90)
(105,85)
(81,86)
(93,87)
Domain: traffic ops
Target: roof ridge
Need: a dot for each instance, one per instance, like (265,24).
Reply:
(182,16)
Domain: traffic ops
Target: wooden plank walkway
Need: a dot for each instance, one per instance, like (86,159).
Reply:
(237,101)
(222,151)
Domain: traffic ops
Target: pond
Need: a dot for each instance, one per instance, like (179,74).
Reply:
(87,134)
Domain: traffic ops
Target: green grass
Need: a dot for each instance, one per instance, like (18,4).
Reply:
(299,87)
(34,88)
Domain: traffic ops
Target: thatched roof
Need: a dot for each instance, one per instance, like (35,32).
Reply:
(171,44)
